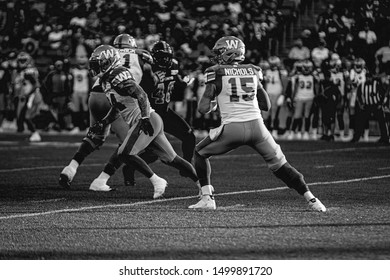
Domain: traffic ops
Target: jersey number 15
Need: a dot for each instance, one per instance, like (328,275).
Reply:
(242,85)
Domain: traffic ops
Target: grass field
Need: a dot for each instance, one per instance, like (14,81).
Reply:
(257,217)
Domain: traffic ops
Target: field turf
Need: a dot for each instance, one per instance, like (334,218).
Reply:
(257,216)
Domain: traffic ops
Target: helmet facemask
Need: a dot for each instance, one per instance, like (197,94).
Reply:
(162,54)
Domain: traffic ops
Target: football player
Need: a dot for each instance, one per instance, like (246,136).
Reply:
(303,92)
(25,67)
(339,78)
(275,84)
(357,75)
(167,69)
(237,90)
(146,127)
(99,107)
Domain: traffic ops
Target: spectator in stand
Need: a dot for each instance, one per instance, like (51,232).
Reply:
(324,18)
(348,19)
(370,100)
(333,28)
(343,46)
(367,45)
(55,37)
(320,53)
(298,52)
(382,57)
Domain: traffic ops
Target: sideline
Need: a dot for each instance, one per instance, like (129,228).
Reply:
(140,203)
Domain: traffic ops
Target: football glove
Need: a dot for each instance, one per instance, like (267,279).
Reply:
(146,126)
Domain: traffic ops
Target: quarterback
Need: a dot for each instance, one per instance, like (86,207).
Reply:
(236,89)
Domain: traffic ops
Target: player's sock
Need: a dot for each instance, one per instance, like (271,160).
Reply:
(104,177)
(74,164)
(292,178)
(84,150)
(185,168)
(308,195)
(113,163)
(155,179)
(203,169)
(188,146)
(207,190)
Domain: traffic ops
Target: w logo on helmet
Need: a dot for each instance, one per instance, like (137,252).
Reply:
(106,54)
(232,44)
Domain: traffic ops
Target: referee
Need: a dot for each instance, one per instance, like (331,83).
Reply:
(370,98)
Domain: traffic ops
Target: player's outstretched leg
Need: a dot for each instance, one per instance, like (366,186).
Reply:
(128,170)
(89,144)
(159,183)
(295,180)
(203,169)
(186,170)
(100,183)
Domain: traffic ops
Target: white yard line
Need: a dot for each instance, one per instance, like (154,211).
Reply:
(43,167)
(140,203)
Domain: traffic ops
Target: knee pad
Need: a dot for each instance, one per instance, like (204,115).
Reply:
(276,159)
(94,139)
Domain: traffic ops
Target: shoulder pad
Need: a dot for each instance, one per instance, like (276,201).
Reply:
(119,75)
(258,68)
(210,73)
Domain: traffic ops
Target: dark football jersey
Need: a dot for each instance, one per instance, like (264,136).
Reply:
(160,95)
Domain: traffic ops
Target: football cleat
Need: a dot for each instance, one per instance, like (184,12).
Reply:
(159,188)
(66,177)
(99,185)
(206,202)
(306,136)
(35,137)
(316,205)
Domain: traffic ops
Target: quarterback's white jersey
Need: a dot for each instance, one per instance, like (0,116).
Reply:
(236,89)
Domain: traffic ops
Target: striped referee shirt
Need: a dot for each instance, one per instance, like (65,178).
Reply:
(370,93)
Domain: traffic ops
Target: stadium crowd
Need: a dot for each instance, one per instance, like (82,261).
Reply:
(332,82)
